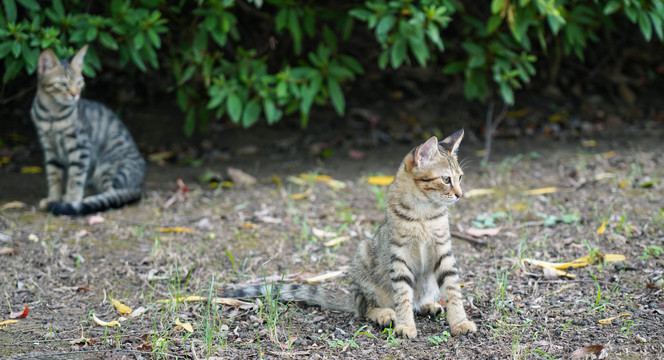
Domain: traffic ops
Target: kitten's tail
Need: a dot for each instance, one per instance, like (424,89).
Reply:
(303,293)
(111,199)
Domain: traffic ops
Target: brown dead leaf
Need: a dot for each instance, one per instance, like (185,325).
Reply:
(8,251)
(586,350)
(241,178)
(20,314)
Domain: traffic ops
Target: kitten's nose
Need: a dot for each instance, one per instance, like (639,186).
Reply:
(73,91)
(458,195)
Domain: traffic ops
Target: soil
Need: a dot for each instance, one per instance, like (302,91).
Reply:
(606,197)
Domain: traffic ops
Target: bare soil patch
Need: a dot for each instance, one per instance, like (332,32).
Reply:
(66,269)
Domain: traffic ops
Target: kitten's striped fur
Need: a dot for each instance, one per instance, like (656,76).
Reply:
(84,143)
(409,263)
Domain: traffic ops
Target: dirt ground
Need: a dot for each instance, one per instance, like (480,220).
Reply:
(593,195)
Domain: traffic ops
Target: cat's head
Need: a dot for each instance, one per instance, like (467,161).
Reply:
(435,168)
(62,80)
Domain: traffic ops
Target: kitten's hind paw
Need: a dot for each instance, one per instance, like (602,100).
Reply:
(464,327)
(407,331)
(432,308)
(382,316)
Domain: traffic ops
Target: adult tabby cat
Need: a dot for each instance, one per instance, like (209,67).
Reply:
(84,143)
(409,263)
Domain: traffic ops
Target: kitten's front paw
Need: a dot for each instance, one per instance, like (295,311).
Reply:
(407,331)
(384,317)
(464,327)
(432,308)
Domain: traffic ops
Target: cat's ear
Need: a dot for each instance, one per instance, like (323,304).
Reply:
(47,61)
(424,153)
(451,143)
(77,60)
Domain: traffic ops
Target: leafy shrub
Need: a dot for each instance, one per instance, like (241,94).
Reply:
(246,59)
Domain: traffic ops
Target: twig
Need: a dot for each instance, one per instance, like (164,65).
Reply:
(491,126)
(17,95)
(469,238)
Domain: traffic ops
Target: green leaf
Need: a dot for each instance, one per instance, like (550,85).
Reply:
(398,53)
(272,113)
(361,14)
(137,59)
(296,31)
(5,48)
(339,72)
(139,40)
(16,48)
(493,24)
(108,41)
(419,49)
(645,25)
(351,63)
(337,96)
(154,38)
(384,26)
(656,24)
(612,6)
(281,19)
(454,67)
(91,34)
(383,59)
(251,113)
(234,107)
(30,4)
(10,11)
(497,6)
(190,122)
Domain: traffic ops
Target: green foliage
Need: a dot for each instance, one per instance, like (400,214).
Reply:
(267,59)
(484,221)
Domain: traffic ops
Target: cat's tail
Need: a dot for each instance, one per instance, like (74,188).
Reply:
(111,199)
(302,293)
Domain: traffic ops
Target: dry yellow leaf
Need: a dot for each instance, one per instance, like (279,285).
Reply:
(120,307)
(542,191)
(187,326)
(382,180)
(470,283)
(478,192)
(580,262)
(325,276)
(31,170)
(302,195)
(177,230)
(607,321)
(336,241)
(249,226)
(336,185)
(104,323)
(609,154)
(602,228)
(312,177)
(183,298)
(7,322)
(623,184)
(230,302)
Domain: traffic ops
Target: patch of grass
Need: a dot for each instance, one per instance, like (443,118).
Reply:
(652,250)
(436,340)
(488,221)
(271,310)
(389,334)
(350,342)
(380,193)
(551,220)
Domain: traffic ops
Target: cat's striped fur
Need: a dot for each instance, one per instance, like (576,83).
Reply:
(409,263)
(84,143)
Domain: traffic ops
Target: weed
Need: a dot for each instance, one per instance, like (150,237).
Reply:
(551,220)
(565,327)
(390,337)
(627,327)
(270,310)
(351,342)
(380,194)
(439,339)
(483,221)
(652,250)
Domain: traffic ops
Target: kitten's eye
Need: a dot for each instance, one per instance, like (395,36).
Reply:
(62,84)
(460,177)
(446,180)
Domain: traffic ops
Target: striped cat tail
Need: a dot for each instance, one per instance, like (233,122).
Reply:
(112,199)
(302,293)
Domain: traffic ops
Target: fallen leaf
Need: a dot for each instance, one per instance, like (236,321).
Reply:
(31,170)
(33,237)
(241,178)
(230,302)
(336,241)
(161,157)
(608,321)
(623,184)
(20,314)
(580,262)
(336,185)
(249,226)
(120,307)
(104,323)
(96,219)
(483,232)
(8,251)
(552,273)
(326,276)
(302,195)
(177,230)
(81,340)
(319,233)
(315,177)
(602,228)
(12,205)
(382,180)
(183,298)
(586,350)
(542,191)
(478,192)
(7,322)
(187,326)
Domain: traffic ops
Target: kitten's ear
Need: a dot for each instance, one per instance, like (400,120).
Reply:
(425,152)
(451,143)
(47,61)
(77,60)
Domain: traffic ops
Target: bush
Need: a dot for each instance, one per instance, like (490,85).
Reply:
(244,59)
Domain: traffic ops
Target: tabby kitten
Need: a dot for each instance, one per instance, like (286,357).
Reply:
(84,143)
(409,263)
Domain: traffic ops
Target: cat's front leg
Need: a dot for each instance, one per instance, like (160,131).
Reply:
(77,173)
(55,172)
(402,286)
